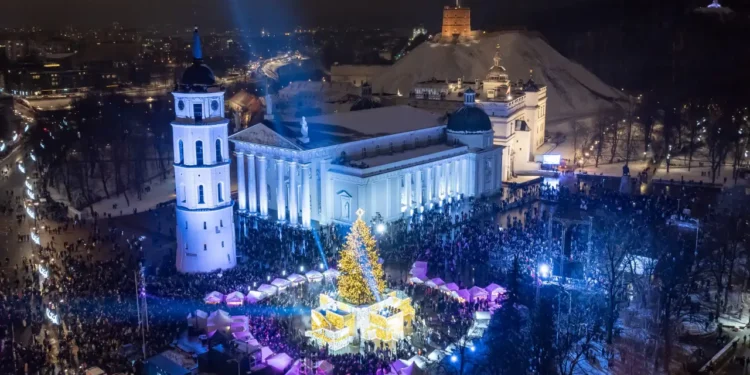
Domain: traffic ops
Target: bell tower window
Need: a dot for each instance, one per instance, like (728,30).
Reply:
(198,112)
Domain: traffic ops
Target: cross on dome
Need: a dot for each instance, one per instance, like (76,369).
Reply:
(360,212)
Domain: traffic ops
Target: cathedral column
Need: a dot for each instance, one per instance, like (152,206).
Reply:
(439,181)
(449,175)
(418,187)
(407,189)
(241,191)
(456,179)
(252,196)
(305,195)
(293,213)
(263,185)
(280,191)
(324,196)
(429,184)
(464,177)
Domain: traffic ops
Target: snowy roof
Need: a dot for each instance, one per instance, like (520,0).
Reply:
(572,90)
(338,128)
(241,98)
(384,159)
(357,70)
(381,121)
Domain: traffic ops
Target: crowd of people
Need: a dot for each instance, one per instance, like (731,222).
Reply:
(91,282)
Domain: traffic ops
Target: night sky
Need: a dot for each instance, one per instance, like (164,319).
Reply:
(277,15)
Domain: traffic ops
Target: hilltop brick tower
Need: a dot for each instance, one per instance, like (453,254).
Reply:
(456,21)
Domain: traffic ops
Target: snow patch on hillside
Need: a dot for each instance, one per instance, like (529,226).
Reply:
(571,89)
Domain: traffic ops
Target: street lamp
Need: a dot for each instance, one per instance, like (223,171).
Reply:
(380,228)
(544,270)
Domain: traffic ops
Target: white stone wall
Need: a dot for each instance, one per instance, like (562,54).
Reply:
(205,240)
(205,228)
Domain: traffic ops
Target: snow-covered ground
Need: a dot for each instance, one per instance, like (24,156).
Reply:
(160,192)
(572,90)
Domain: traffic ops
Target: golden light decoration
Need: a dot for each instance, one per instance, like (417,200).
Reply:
(352,284)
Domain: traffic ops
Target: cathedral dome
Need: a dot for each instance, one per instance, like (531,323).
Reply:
(469,119)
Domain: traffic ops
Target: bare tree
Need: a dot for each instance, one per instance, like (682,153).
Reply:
(577,332)
(614,140)
(600,131)
(719,138)
(615,238)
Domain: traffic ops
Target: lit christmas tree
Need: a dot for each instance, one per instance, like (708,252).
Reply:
(362,280)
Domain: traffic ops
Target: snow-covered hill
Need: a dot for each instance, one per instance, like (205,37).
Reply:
(572,90)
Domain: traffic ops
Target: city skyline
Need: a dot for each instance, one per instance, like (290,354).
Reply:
(250,14)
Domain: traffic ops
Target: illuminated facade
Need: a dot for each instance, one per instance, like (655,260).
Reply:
(205,217)
(335,323)
(517,110)
(456,21)
(390,161)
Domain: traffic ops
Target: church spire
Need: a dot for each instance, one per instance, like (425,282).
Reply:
(197,50)
(497,57)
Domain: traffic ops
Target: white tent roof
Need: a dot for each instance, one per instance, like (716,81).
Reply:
(219,318)
(450,287)
(235,297)
(266,289)
(331,273)
(436,355)
(296,279)
(314,275)
(95,371)
(435,283)
(462,294)
(280,361)
(477,292)
(243,336)
(324,367)
(213,297)
(494,288)
(417,279)
(280,283)
(265,352)
(254,296)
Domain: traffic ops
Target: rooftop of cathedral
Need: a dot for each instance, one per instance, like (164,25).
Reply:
(453,90)
(338,128)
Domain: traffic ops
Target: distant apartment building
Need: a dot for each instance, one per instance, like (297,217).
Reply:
(46,79)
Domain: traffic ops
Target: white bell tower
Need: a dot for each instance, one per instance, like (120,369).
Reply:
(205,218)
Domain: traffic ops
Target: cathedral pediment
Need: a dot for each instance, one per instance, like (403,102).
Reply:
(263,135)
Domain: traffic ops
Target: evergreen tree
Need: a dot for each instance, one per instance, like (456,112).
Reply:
(507,338)
(543,336)
(362,280)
